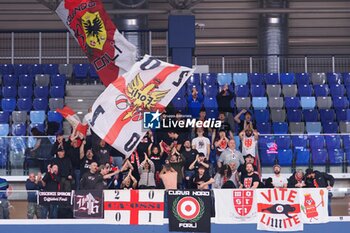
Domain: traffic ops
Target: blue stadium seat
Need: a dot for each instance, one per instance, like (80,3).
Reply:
(264,127)
(8,104)
(319,156)
(321,90)
(346,78)
(280,127)
(9,91)
(261,115)
(346,141)
(316,142)
(41,92)
(195,79)
(92,72)
(340,102)
(302,78)
(53,116)
(342,114)
(285,157)
(9,80)
(179,103)
(305,90)
(257,90)
(6,69)
(58,91)
(42,80)
(283,142)
(259,103)
(287,78)
(336,156)
(208,91)
(272,79)
(4,129)
(58,80)
(308,102)
(26,80)
(292,102)
(240,78)
(211,107)
(294,115)
(334,78)
(80,71)
(35,69)
(4,117)
(19,129)
(330,127)
(327,115)
(55,103)
(198,87)
(209,78)
(40,104)
(21,69)
(37,117)
(242,90)
(313,127)
(267,159)
(337,90)
(310,115)
(224,78)
(24,104)
(51,69)
(25,92)
(333,142)
(182,92)
(302,158)
(264,140)
(39,126)
(256,79)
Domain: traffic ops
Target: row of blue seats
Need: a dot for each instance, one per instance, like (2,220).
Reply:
(29,80)
(27,104)
(80,71)
(269,78)
(305,157)
(34,117)
(20,129)
(28,91)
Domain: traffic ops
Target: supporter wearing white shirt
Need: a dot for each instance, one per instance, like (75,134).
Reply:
(201,143)
(278,181)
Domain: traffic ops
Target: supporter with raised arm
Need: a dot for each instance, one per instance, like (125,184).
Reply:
(224,98)
(202,179)
(147,173)
(129,182)
(107,174)
(190,156)
(249,141)
(221,143)
(201,143)
(176,161)
(86,158)
(33,185)
(51,183)
(103,154)
(248,121)
(169,177)
(91,179)
(195,102)
(225,126)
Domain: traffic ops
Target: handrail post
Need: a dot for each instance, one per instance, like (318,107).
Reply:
(305,64)
(67,49)
(333,64)
(250,64)
(40,48)
(12,48)
(223,64)
(150,42)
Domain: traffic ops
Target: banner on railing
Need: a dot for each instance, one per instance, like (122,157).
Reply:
(56,198)
(135,207)
(107,50)
(88,204)
(189,211)
(235,206)
(314,205)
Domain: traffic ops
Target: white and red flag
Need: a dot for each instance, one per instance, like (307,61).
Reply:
(107,50)
(118,112)
(134,207)
(74,120)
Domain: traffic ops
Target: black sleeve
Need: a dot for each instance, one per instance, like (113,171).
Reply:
(256,178)
(206,177)
(329,178)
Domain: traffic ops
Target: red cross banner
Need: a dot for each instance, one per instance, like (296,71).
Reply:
(148,87)
(134,207)
(107,50)
(235,206)
(314,205)
(279,210)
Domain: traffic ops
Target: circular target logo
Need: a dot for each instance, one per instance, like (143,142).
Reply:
(122,102)
(188,208)
(279,209)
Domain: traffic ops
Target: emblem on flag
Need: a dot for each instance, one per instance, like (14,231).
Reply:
(94,29)
(243,201)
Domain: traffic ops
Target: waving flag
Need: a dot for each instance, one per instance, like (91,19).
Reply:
(109,52)
(73,120)
(148,87)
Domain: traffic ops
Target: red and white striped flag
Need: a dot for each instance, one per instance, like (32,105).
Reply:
(118,112)
(109,52)
(73,120)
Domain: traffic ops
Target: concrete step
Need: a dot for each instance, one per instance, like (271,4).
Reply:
(84,90)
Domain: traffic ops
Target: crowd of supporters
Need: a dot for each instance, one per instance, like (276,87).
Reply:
(173,158)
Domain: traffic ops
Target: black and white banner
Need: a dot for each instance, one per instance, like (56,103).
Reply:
(88,204)
(58,198)
(189,211)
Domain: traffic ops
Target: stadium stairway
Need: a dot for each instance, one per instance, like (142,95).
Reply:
(80,98)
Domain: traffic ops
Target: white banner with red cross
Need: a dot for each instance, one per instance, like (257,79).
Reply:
(118,112)
(134,207)
(314,205)
(235,206)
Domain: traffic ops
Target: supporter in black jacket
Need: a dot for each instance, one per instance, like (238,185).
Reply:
(224,98)
(296,180)
(65,170)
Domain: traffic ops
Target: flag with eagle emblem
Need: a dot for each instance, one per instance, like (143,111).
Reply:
(149,86)
(107,50)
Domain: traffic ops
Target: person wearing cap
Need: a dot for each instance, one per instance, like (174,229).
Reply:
(278,181)
(316,179)
(230,154)
(65,170)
